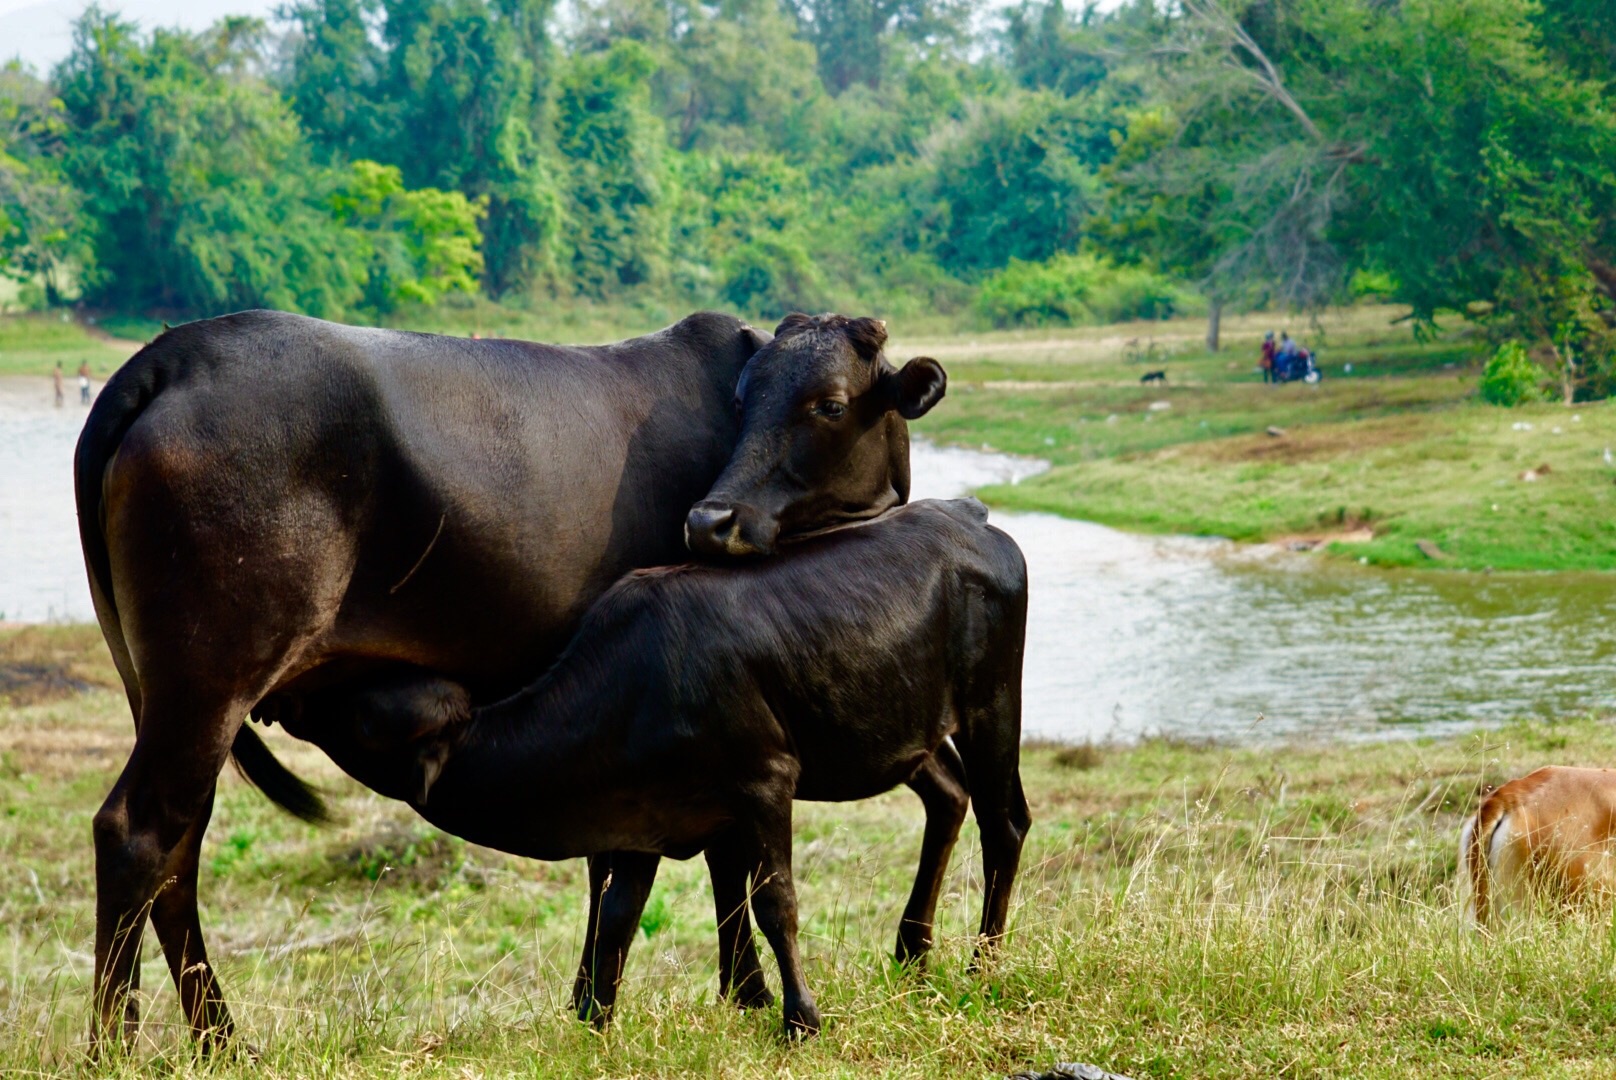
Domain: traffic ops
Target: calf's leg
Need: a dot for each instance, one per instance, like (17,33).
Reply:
(940,783)
(990,744)
(774,900)
(621,880)
(740,975)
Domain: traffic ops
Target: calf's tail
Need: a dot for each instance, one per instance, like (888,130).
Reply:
(276,781)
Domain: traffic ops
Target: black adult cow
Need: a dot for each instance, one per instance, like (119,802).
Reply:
(269,502)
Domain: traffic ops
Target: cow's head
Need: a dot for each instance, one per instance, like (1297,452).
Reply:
(823,436)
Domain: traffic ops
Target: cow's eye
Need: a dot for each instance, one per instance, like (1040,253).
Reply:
(831,410)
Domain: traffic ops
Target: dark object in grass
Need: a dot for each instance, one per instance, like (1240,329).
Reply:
(1153,377)
(33,684)
(1430,550)
(1070,1071)
(1080,756)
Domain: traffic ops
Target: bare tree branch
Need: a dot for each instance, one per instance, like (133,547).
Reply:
(1268,78)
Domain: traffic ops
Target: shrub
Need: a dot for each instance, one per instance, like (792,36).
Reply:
(1511,378)
(770,275)
(1074,289)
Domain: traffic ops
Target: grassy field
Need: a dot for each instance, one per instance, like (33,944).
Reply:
(34,344)
(1184,911)
(1369,462)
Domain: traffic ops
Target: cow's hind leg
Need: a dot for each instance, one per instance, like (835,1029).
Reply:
(622,882)
(146,838)
(940,783)
(179,930)
(740,975)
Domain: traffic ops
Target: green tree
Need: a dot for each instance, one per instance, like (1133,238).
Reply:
(1019,179)
(855,39)
(1295,142)
(612,146)
(745,218)
(1049,48)
(333,76)
(43,235)
(419,245)
(450,91)
(196,177)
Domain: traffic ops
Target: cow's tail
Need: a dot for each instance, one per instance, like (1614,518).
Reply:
(126,395)
(1475,841)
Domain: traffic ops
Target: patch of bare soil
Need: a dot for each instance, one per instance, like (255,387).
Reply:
(33,684)
(1310,444)
(1346,534)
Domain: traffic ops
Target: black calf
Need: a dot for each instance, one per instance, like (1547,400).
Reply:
(696,703)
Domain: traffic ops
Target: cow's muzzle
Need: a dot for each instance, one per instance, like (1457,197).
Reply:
(719,530)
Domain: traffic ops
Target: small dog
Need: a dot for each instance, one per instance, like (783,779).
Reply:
(1153,377)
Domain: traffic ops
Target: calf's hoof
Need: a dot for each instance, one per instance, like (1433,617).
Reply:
(911,950)
(752,994)
(595,1014)
(802,1022)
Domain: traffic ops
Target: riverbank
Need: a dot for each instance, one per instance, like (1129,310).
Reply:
(1392,459)
(1184,910)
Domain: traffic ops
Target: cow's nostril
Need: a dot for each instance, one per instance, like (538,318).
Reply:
(709,527)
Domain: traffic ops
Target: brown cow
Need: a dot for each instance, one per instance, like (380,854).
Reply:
(1547,837)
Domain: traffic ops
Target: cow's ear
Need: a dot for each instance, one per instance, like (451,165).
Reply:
(868,336)
(916,387)
(755,339)
(793,322)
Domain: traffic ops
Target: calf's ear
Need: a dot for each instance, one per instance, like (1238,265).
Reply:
(914,388)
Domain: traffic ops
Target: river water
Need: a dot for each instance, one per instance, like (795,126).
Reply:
(1127,635)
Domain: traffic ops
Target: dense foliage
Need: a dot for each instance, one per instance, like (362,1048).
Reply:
(1013,165)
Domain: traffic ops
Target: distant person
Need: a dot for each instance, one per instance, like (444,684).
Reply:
(84,383)
(56,383)
(1284,357)
(1267,361)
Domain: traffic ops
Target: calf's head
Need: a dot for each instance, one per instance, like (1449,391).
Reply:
(824,438)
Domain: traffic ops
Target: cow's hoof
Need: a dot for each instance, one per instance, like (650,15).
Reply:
(802,1022)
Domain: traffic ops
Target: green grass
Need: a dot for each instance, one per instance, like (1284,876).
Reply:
(1400,445)
(1184,911)
(34,344)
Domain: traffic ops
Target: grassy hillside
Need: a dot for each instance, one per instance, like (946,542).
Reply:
(1185,911)
(35,344)
(1371,461)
